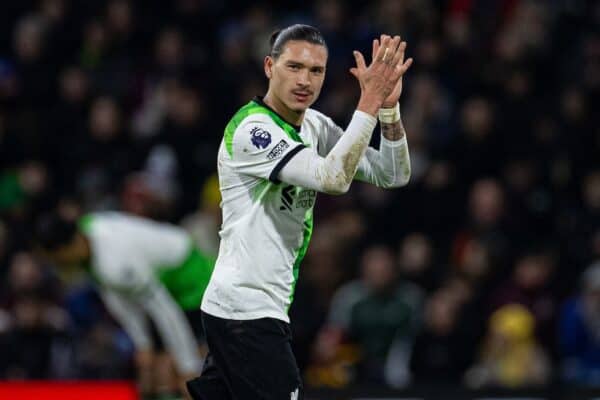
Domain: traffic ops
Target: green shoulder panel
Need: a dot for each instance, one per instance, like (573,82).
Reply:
(254,108)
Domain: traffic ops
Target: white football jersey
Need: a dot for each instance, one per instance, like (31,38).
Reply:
(128,252)
(267,224)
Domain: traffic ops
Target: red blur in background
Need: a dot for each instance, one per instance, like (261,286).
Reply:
(68,390)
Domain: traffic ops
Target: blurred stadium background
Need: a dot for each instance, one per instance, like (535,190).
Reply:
(472,278)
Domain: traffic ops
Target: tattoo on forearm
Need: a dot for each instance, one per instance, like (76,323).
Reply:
(393,131)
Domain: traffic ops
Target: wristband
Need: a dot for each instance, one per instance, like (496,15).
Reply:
(390,115)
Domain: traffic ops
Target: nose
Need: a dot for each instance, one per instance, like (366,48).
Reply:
(303,78)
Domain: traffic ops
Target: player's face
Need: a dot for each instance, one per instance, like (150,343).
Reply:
(297,76)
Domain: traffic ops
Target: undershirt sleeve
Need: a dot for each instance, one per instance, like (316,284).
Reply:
(334,172)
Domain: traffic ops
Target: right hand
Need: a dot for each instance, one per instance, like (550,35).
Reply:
(378,80)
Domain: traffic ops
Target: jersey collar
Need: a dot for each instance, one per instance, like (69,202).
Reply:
(259,100)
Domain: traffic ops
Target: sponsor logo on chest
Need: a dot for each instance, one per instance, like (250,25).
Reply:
(293,197)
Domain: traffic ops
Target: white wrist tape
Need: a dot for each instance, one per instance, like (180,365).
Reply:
(390,115)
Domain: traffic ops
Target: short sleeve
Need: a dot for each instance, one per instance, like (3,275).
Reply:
(260,148)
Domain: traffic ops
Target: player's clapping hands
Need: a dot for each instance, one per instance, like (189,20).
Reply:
(381,81)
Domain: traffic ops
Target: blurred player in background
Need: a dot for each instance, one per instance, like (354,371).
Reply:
(275,155)
(142,268)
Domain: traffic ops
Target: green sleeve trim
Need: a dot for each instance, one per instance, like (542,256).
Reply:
(255,108)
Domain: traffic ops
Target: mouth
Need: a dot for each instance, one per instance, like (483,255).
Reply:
(301,96)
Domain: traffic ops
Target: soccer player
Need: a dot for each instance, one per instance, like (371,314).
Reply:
(275,155)
(142,268)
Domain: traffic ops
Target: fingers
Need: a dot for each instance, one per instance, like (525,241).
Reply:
(385,53)
(376,44)
(388,54)
(401,66)
(384,44)
(360,60)
(391,50)
(395,45)
(375,49)
(399,55)
(404,67)
(391,60)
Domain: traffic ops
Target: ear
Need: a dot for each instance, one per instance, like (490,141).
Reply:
(268,64)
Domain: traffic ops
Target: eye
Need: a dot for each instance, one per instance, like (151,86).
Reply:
(294,67)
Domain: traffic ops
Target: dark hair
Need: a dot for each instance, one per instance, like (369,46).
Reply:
(53,231)
(294,32)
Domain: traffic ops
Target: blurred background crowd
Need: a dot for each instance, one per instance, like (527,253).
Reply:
(483,271)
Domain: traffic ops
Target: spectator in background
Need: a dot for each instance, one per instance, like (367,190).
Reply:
(476,142)
(21,188)
(384,321)
(188,133)
(473,263)
(579,332)
(100,155)
(34,87)
(378,313)
(485,233)
(35,345)
(154,191)
(443,350)
(23,191)
(66,122)
(94,46)
(510,356)
(34,342)
(26,275)
(416,261)
(530,286)
(529,201)
(579,224)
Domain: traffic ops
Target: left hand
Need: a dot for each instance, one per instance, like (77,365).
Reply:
(393,98)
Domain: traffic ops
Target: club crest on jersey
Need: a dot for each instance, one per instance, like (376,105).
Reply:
(260,138)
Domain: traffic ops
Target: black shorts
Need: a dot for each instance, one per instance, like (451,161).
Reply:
(247,360)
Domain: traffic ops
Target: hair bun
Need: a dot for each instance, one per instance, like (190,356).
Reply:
(274,37)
